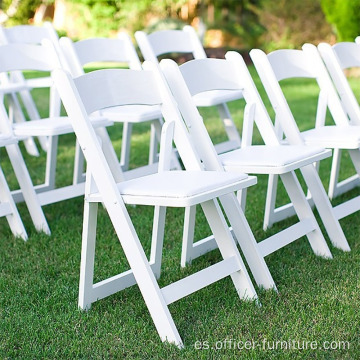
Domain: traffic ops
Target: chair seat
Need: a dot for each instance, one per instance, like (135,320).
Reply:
(216,97)
(52,126)
(180,188)
(265,159)
(133,113)
(344,137)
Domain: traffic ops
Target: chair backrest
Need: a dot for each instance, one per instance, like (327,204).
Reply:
(337,58)
(30,34)
(120,87)
(16,58)
(28,57)
(170,41)
(231,73)
(83,52)
(305,63)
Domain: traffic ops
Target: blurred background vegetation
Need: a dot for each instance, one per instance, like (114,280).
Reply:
(240,24)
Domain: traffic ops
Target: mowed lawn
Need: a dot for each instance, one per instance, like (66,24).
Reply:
(315,313)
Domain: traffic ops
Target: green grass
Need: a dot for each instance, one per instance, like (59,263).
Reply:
(318,300)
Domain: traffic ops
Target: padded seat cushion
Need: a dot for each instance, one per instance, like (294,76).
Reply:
(133,113)
(343,137)
(169,187)
(52,126)
(265,159)
(216,97)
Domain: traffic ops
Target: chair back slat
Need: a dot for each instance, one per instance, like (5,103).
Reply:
(196,74)
(348,54)
(288,64)
(28,57)
(116,87)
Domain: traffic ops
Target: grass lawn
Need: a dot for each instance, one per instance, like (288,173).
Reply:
(315,313)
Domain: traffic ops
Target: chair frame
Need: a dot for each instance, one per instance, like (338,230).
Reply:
(104,182)
(338,58)
(16,84)
(255,112)
(186,41)
(119,50)
(311,66)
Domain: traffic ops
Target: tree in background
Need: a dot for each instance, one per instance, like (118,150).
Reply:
(290,23)
(18,11)
(241,24)
(344,15)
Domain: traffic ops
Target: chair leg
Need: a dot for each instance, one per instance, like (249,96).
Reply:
(13,217)
(156,126)
(270,201)
(153,147)
(229,125)
(303,211)
(143,273)
(33,113)
(157,239)
(241,196)
(51,161)
(17,115)
(27,188)
(325,208)
(78,175)
(247,241)
(125,145)
(87,255)
(188,235)
(227,247)
(334,175)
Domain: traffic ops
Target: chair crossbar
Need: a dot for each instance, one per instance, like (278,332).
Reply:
(347,208)
(287,236)
(199,280)
(346,185)
(285,211)
(47,196)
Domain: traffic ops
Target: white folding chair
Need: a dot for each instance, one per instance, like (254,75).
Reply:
(272,158)
(337,58)
(186,41)
(21,57)
(102,89)
(17,86)
(7,204)
(307,63)
(120,50)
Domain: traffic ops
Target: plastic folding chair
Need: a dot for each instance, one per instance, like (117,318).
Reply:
(16,86)
(307,63)
(272,158)
(120,50)
(81,97)
(7,204)
(337,58)
(186,41)
(20,57)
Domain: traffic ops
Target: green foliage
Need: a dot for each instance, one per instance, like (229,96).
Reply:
(238,18)
(23,10)
(344,16)
(291,23)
